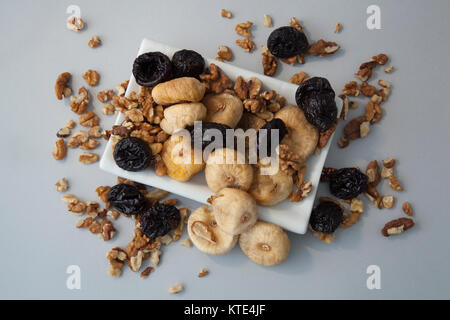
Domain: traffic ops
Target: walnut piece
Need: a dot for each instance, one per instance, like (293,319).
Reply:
(381,59)
(225,14)
(395,184)
(146,272)
(62,185)
(215,79)
(60,150)
(176,288)
(298,78)
(268,20)
(270,64)
(246,44)
(102,193)
(88,157)
(388,201)
(75,24)
(224,53)
(61,87)
(89,119)
(203,273)
(387,173)
(91,77)
(389,69)
(373,173)
(351,89)
(356,205)
(79,104)
(108,109)
(352,129)
(77,139)
(293,22)
(289,161)
(365,70)
(301,193)
(367,90)
(105,95)
(337,28)
(243,29)
(406,207)
(322,48)
(94,42)
(389,162)
(397,226)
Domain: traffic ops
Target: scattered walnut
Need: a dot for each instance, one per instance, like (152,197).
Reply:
(134,115)
(77,139)
(94,42)
(243,29)
(288,160)
(146,272)
(157,194)
(203,273)
(108,109)
(254,105)
(364,128)
(75,24)
(61,87)
(343,142)
(322,48)
(367,90)
(202,230)
(351,89)
(160,168)
(187,243)
(60,150)
(122,88)
(102,193)
(389,69)
(95,132)
(246,44)
(387,172)
(301,193)
(389,162)
(397,226)
(268,20)
(352,129)
(91,77)
(349,220)
(381,59)
(62,185)
(105,95)
(406,207)
(298,78)
(324,136)
(373,173)
(215,79)
(88,157)
(79,104)
(108,230)
(224,53)
(388,201)
(356,205)
(175,288)
(345,106)
(89,144)
(89,119)
(77,208)
(84,223)
(293,22)
(353,105)
(395,184)
(337,28)
(69,198)
(324,237)
(225,14)
(63,132)
(365,70)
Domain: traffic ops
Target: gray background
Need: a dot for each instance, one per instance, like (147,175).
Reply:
(38,239)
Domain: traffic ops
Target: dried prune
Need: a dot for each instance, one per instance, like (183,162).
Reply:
(316,98)
(152,68)
(286,42)
(348,183)
(132,154)
(159,219)
(187,63)
(126,198)
(326,217)
(264,137)
(203,136)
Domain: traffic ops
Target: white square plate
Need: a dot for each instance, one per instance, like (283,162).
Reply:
(292,216)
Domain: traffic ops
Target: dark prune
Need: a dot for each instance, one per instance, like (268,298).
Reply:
(132,154)
(348,183)
(152,68)
(316,98)
(326,217)
(159,219)
(126,198)
(187,63)
(204,137)
(264,137)
(286,42)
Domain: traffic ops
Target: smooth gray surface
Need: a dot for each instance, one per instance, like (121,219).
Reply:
(38,239)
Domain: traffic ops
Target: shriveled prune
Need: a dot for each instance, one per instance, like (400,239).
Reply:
(205,137)
(132,154)
(316,98)
(326,217)
(159,219)
(264,138)
(287,42)
(187,63)
(151,68)
(126,198)
(348,183)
